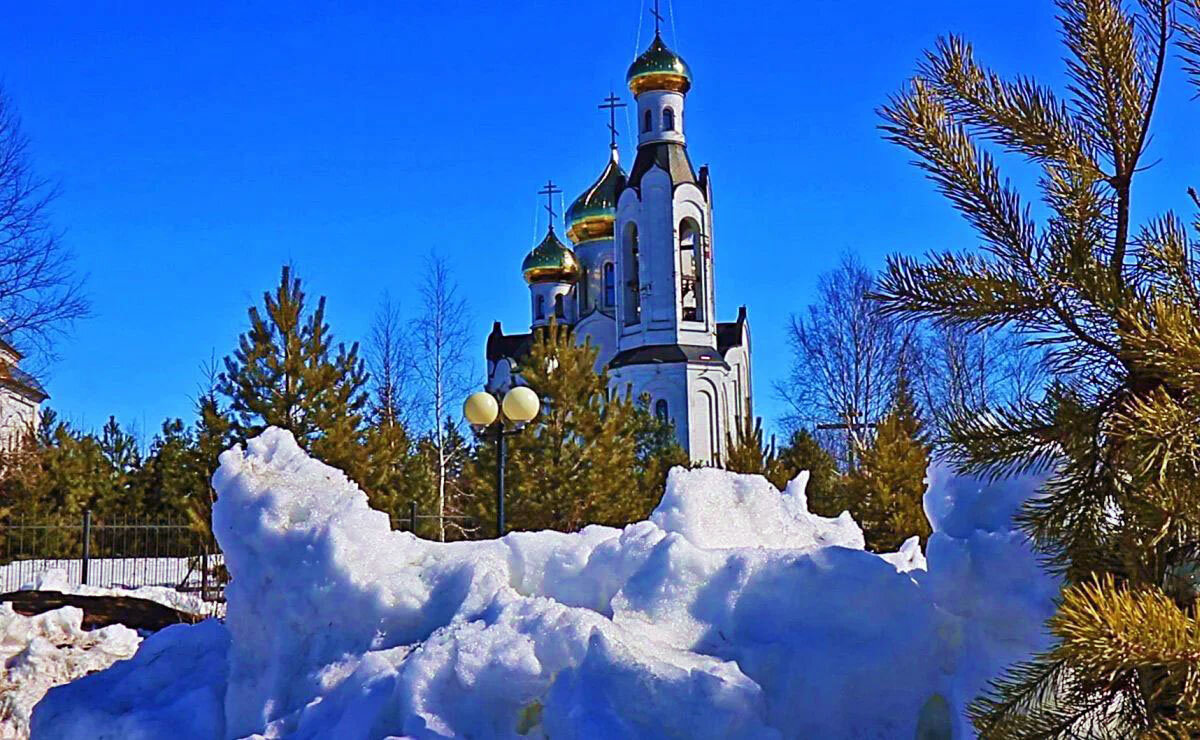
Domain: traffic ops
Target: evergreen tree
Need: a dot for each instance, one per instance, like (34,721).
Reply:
(656,451)
(213,433)
(287,373)
(590,457)
(1118,309)
(745,452)
(825,490)
(884,493)
(168,479)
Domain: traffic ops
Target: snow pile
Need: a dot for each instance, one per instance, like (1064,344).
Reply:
(733,612)
(47,650)
(58,579)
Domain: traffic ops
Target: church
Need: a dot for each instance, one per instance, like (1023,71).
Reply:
(638,280)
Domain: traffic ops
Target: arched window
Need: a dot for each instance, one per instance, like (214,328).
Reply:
(632,302)
(668,119)
(660,409)
(646,121)
(559,311)
(691,271)
(610,285)
(539,308)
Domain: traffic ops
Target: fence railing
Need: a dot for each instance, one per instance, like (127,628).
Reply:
(111,553)
(127,554)
(411,522)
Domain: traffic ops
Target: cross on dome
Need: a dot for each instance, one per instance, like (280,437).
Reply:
(550,190)
(612,102)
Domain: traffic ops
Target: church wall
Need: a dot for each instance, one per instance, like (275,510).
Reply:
(709,413)
(601,331)
(593,256)
(18,414)
(655,103)
(660,382)
(548,293)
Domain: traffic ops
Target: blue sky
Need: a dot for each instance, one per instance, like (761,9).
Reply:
(200,146)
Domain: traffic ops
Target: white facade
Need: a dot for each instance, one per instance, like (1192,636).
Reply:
(644,292)
(21,397)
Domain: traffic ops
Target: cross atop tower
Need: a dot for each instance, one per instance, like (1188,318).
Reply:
(550,190)
(657,17)
(612,102)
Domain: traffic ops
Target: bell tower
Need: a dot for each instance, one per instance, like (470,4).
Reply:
(666,330)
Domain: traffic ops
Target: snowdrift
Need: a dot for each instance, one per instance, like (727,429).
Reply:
(49,649)
(732,612)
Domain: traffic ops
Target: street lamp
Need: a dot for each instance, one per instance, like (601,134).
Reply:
(490,418)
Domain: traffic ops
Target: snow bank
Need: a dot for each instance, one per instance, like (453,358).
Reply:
(732,612)
(47,650)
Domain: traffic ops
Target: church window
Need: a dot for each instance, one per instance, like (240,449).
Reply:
(633,285)
(610,284)
(660,409)
(539,310)
(668,119)
(646,121)
(691,283)
(559,310)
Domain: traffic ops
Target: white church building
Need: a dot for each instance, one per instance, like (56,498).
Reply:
(21,397)
(639,282)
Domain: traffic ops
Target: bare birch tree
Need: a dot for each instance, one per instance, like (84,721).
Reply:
(40,294)
(391,364)
(845,360)
(968,370)
(442,368)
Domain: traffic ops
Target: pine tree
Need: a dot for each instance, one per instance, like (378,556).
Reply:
(287,373)
(588,456)
(168,479)
(746,452)
(656,451)
(825,490)
(1118,310)
(884,493)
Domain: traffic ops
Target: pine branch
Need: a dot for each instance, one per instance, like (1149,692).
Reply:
(1022,116)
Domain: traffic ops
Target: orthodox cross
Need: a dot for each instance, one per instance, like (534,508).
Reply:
(612,102)
(550,190)
(657,17)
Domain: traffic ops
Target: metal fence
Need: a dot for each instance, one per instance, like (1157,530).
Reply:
(110,553)
(412,520)
(127,554)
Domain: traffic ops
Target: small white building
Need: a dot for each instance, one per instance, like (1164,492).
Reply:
(21,398)
(639,282)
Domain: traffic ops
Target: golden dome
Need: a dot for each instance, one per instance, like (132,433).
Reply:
(551,262)
(594,213)
(659,68)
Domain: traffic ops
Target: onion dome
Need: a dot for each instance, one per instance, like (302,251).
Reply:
(551,262)
(594,213)
(659,68)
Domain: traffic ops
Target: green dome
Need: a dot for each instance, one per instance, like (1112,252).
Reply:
(594,213)
(659,68)
(551,262)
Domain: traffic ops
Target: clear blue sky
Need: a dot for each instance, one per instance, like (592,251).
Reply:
(199,146)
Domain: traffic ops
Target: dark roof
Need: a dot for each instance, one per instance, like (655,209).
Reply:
(670,156)
(17,379)
(4,345)
(668,353)
(514,346)
(729,333)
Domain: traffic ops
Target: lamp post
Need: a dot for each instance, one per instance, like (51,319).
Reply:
(490,418)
